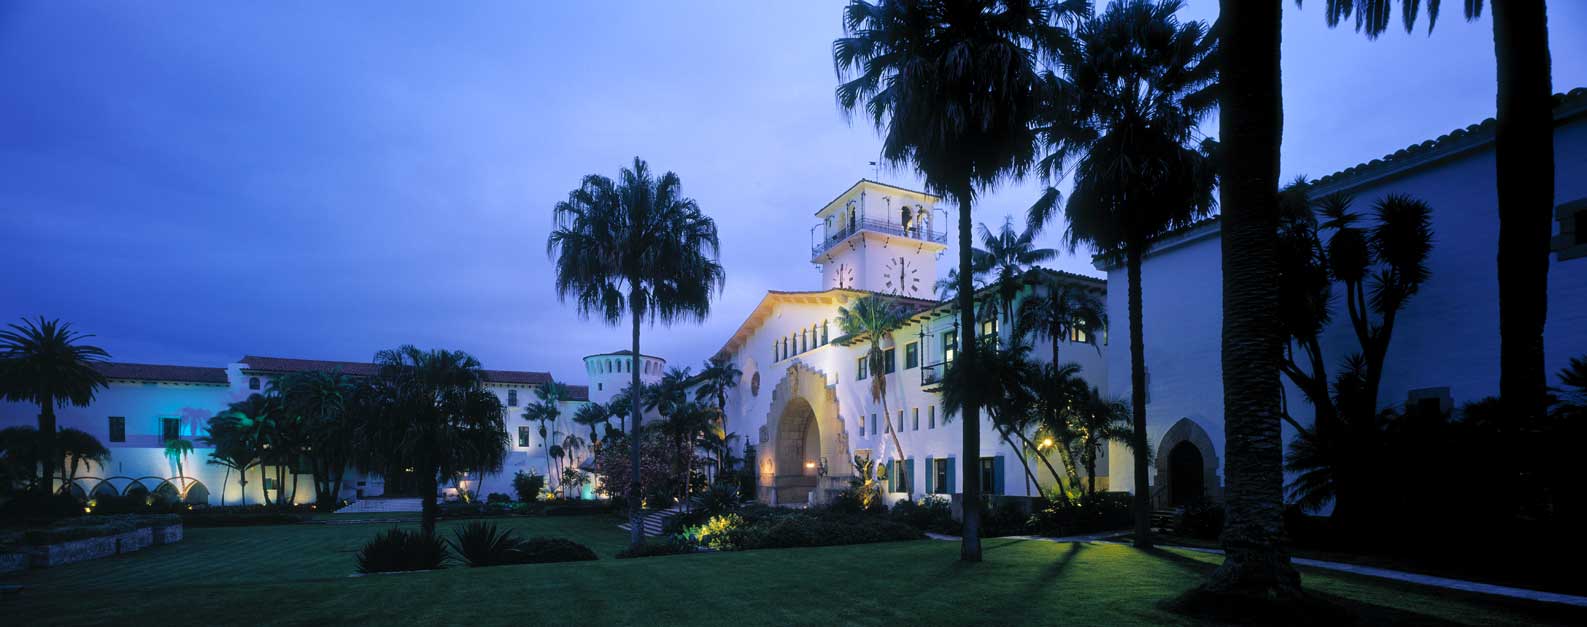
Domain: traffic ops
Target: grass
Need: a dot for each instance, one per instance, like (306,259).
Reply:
(298,574)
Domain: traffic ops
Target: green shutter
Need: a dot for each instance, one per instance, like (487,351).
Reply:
(953,478)
(997,474)
(909,473)
(931,476)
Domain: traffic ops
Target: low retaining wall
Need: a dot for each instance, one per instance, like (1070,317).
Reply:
(167,535)
(13,563)
(51,555)
(134,540)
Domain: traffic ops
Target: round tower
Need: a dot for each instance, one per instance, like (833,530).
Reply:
(609,373)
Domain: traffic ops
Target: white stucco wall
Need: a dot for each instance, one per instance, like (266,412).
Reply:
(1446,336)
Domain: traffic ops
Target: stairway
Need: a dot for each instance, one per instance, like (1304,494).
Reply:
(653,522)
(382,505)
(1167,520)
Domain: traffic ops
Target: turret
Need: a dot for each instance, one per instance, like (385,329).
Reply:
(609,373)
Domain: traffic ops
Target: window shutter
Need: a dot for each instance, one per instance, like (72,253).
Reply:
(909,473)
(953,477)
(931,476)
(997,475)
(892,475)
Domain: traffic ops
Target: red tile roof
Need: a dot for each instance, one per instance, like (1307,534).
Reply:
(366,369)
(153,372)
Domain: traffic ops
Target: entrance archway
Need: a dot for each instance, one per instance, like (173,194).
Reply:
(1185,483)
(1187,467)
(804,446)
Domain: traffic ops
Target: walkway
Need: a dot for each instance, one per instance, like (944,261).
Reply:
(1366,571)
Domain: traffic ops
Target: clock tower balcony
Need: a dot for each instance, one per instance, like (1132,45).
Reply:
(821,245)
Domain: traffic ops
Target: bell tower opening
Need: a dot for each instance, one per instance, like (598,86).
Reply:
(879,238)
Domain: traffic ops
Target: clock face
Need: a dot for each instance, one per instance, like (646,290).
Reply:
(901,278)
(843,277)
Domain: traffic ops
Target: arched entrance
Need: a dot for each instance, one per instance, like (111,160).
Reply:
(1186,467)
(1185,483)
(804,449)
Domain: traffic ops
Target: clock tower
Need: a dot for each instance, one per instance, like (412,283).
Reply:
(880,238)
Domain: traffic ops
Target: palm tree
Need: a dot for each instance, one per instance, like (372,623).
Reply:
(1004,380)
(1006,255)
(45,364)
(1250,122)
(322,402)
(1524,160)
(242,435)
(718,376)
(176,450)
(1061,310)
(952,85)
(438,417)
(1097,420)
(1123,121)
(591,414)
(19,448)
(79,448)
(547,409)
(874,318)
(635,247)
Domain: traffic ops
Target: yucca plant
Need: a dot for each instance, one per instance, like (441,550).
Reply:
(482,544)
(398,550)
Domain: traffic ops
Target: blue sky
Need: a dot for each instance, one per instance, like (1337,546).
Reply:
(193,182)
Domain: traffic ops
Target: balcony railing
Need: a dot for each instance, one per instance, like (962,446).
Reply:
(878,226)
(931,376)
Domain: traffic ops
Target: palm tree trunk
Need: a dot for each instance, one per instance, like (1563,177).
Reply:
(263,492)
(1143,486)
(224,480)
(1255,564)
(970,545)
(428,484)
(1047,463)
(1524,155)
(1023,463)
(635,532)
(46,446)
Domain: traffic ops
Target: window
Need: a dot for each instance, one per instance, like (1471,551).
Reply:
(873,424)
(931,416)
(523,436)
(901,477)
(912,355)
(992,475)
(900,425)
(253,383)
(863,369)
(804,341)
(1077,333)
(889,364)
(915,419)
(1571,243)
(170,429)
(950,345)
(862,426)
(512,398)
(598,386)
(825,328)
(989,330)
(118,429)
(942,476)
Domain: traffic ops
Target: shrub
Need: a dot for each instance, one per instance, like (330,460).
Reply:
(1003,517)
(528,486)
(402,550)
(717,532)
(1103,511)
(720,498)
(669,545)
(41,507)
(547,550)
(482,544)
(798,531)
(1203,520)
(931,513)
(497,497)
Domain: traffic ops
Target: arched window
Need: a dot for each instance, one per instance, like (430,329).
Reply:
(804,340)
(824,331)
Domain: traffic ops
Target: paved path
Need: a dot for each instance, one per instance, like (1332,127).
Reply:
(1367,571)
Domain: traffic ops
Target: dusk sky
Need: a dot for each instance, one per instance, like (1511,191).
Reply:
(193,182)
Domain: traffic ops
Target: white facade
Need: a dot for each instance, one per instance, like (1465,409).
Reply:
(149,402)
(801,401)
(1446,339)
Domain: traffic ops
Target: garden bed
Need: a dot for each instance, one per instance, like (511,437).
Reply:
(87,538)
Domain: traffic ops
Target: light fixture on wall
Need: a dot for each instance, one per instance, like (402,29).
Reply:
(809,465)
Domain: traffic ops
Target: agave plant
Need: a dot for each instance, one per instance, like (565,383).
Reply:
(481,544)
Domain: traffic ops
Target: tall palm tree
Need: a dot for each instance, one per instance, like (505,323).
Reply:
(44,363)
(1004,381)
(547,409)
(229,450)
(244,434)
(1524,165)
(636,247)
(1005,256)
(875,318)
(176,450)
(952,86)
(718,376)
(1061,310)
(1251,122)
(1097,420)
(322,402)
(439,418)
(590,415)
(1123,121)
(78,448)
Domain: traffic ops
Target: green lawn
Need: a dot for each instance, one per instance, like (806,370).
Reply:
(298,574)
